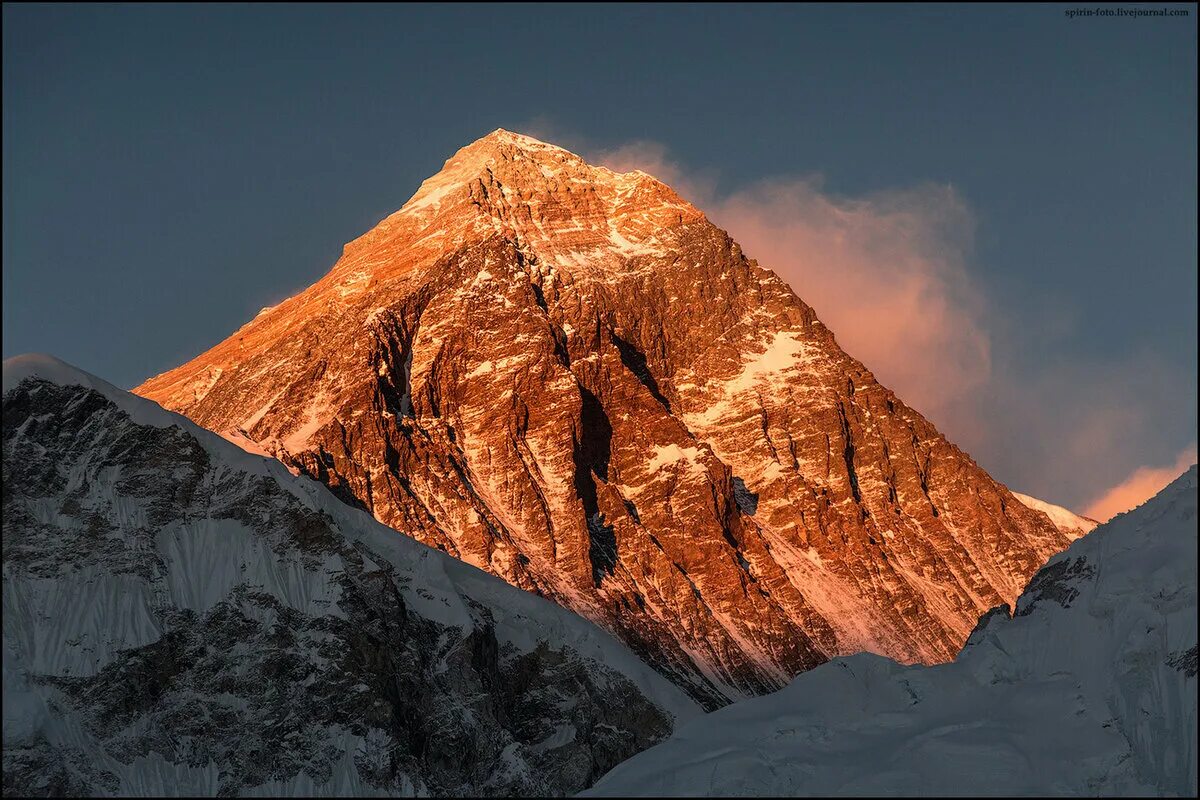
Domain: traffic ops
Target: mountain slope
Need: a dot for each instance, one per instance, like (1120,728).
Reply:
(181,617)
(570,378)
(1089,689)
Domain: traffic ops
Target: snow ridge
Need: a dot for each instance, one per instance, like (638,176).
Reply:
(281,632)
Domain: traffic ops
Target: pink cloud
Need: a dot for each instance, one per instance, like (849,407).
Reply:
(1142,484)
(886,272)
(1065,428)
(651,157)
(890,274)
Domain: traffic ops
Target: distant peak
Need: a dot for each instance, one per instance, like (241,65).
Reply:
(502,141)
(519,160)
(546,197)
(1072,524)
(518,139)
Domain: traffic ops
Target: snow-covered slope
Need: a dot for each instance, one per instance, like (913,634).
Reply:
(1089,689)
(182,617)
(1067,521)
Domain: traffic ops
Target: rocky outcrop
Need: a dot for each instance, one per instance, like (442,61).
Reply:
(570,378)
(181,618)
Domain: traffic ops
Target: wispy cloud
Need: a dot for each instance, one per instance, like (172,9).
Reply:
(1142,483)
(891,274)
(886,273)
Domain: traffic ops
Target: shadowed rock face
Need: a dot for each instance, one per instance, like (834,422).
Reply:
(175,623)
(572,379)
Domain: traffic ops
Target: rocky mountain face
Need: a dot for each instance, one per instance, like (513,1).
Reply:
(570,378)
(1088,689)
(183,618)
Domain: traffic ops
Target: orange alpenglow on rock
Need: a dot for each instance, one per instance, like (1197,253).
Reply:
(570,378)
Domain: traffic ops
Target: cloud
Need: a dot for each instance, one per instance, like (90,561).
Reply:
(890,274)
(1142,484)
(885,272)
(1065,427)
(698,188)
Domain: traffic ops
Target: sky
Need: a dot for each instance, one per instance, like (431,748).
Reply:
(992,207)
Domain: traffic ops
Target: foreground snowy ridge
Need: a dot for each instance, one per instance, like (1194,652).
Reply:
(182,617)
(1088,689)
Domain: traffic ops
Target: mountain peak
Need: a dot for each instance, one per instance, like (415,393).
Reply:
(1072,524)
(501,136)
(548,201)
(518,160)
(522,159)
(504,145)
(569,377)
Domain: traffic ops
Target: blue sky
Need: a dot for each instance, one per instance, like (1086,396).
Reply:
(170,170)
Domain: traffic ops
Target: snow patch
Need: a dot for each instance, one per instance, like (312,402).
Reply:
(667,455)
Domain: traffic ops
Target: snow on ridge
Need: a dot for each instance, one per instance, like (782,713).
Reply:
(430,194)
(669,455)
(42,365)
(779,358)
(1072,524)
(139,409)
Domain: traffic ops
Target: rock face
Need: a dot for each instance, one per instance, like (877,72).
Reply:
(570,378)
(1089,689)
(182,618)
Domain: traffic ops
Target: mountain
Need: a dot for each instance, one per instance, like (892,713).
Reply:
(570,378)
(1067,521)
(183,618)
(1089,689)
